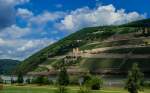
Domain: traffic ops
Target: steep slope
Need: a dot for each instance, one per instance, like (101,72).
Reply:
(105,38)
(7,65)
(143,23)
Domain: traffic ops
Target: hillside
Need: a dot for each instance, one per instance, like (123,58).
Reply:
(101,48)
(7,65)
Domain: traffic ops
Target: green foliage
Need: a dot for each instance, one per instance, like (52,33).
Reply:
(28,81)
(91,83)
(63,77)
(74,80)
(7,66)
(86,78)
(1,80)
(13,81)
(39,69)
(20,78)
(95,83)
(41,80)
(134,80)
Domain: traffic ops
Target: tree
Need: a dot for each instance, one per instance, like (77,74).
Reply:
(20,78)
(12,81)
(134,80)
(38,80)
(63,77)
(28,81)
(1,80)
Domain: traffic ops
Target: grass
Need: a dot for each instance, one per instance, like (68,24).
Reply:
(51,89)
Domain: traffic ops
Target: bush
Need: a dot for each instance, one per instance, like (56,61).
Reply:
(41,81)
(86,78)
(95,83)
(46,81)
(28,81)
(74,80)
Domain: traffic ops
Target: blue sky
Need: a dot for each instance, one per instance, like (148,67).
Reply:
(30,25)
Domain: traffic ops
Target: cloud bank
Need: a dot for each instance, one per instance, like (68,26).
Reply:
(102,15)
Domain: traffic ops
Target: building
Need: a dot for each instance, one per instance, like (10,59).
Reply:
(8,79)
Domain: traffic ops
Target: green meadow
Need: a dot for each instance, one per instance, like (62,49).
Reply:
(51,89)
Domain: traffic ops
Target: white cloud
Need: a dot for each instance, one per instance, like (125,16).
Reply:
(24,13)
(19,43)
(102,15)
(21,48)
(45,17)
(33,44)
(14,32)
(14,2)
(16,44)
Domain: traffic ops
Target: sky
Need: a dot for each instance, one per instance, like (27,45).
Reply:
(27,26)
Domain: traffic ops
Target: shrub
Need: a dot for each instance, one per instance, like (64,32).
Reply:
(74,80)
(41,81)
(86,78)
(28,81)
(46,81)
(95,83)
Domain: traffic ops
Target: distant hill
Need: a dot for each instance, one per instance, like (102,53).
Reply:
(7,65)
(115,47)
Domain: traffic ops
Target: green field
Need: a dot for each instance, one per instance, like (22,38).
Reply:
(51,89)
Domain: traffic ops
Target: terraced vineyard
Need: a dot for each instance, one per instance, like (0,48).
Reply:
(105,48)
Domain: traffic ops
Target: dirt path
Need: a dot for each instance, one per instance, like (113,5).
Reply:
(107,41)
(95,53)
(114,55)
(115,47)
